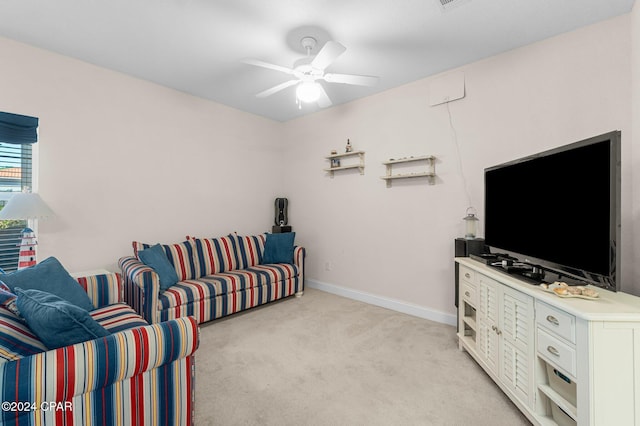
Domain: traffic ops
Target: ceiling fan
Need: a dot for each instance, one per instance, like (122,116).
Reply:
(308,70)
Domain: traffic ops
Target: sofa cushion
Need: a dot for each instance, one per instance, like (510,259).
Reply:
(189,291)
(156,258)
(250,250)
(117,317)
(279,248)
(181,255)
(16,339)
(50,276)
(273,272)
(55,321)
(216,255)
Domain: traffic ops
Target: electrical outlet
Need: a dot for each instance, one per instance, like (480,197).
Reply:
(328,266)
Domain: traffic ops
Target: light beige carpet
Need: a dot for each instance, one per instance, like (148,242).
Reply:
(327,360)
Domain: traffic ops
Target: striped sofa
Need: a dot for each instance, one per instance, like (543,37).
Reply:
(217,277)
(140,374)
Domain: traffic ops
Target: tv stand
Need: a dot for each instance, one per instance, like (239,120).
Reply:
(561,361)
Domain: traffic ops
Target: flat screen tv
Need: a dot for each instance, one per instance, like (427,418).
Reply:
(560,210)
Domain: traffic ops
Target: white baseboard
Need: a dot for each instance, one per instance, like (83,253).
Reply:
(394,305)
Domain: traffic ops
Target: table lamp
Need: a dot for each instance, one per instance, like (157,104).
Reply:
(26,206)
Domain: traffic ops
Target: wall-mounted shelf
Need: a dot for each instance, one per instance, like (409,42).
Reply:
(359,165)
(429,174)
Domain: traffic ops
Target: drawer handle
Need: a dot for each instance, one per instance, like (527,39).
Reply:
(467,275)
(553,320)
(553,351)
(466,293)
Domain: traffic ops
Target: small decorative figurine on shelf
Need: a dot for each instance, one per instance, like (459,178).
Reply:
(335,162)
(348,148)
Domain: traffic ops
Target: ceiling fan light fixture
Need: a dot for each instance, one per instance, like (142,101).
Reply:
(308,91)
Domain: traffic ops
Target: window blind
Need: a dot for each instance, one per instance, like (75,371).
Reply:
(18,129)
(16,175)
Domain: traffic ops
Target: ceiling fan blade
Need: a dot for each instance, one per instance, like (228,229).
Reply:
(277,88)
(359,80)
(323,99)
(329,53)
(263,64)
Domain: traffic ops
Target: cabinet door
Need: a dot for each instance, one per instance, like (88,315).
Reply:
(517,347)
(517,318)
(487,344)
(489,299)
(488,339)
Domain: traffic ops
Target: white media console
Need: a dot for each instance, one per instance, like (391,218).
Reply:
(563,361)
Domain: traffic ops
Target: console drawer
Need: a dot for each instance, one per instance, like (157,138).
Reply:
(556,321)
(469,293)
(467,274)
(557,352)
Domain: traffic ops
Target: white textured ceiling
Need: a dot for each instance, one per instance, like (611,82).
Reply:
(196,46)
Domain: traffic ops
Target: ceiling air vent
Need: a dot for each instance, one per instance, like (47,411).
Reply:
(450,4)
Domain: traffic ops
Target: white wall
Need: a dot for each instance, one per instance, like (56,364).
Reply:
(124,159)
(635,129)
(634,154)
(397,243)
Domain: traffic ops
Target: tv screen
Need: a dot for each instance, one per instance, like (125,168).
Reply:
(560,209)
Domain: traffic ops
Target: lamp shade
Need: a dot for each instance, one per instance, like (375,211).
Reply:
(25,205)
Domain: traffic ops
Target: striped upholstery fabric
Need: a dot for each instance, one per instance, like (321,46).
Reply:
(299,255)
(117,317)
(212,296)
(250,250)
(227,304)
(142,376)
(142,286)
(181,255)
(190,291)
(103,290)
(273,272)
(8,298)
(16,339)
(215,255)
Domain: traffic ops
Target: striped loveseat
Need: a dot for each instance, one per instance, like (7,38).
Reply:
(217,277)
(140,374)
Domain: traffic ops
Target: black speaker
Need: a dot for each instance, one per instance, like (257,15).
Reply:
(281,205)
(466,247)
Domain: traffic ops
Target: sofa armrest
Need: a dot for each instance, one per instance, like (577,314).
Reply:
(103,289)
(141,288)
(299,254)
(82,374)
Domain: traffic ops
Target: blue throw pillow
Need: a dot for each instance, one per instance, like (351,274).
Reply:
(156,258)
(56,322)
(50,276)
(279,248)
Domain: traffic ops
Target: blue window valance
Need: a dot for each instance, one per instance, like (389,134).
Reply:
(20,129)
